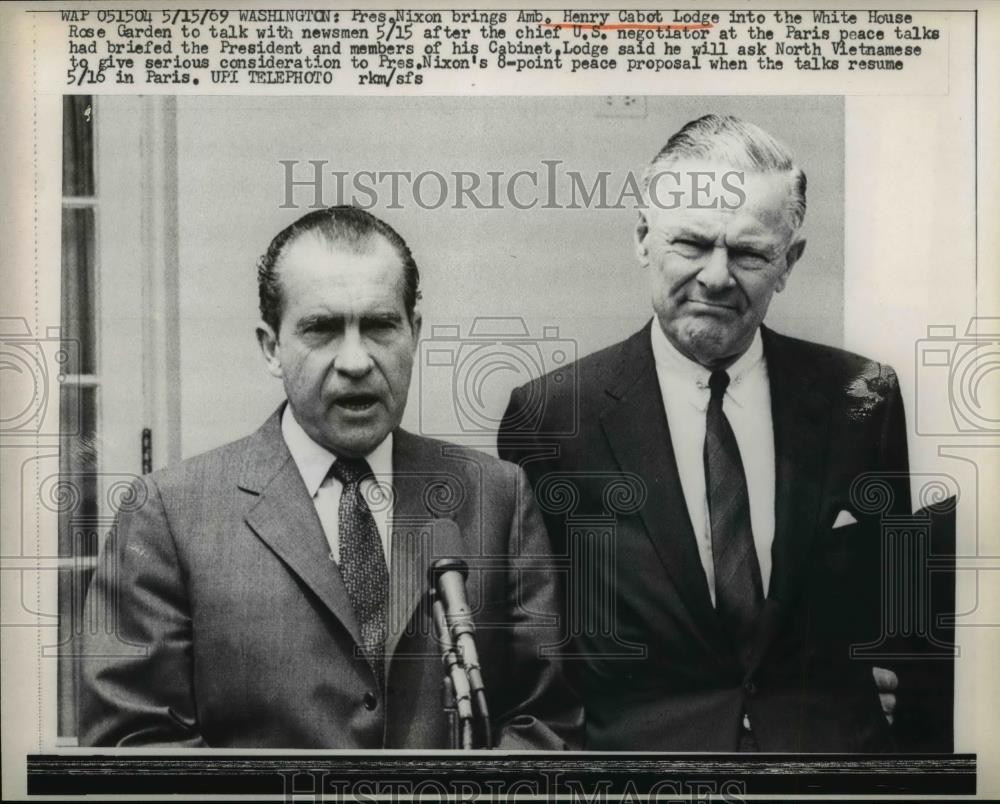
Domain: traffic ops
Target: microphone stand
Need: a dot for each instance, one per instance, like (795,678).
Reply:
(476,686)
(456,692)
(450,711)
(456,632)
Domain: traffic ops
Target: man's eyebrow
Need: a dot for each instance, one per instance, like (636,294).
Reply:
(683,232)
(382,315)
(316,319)
(751,243)
(323,319)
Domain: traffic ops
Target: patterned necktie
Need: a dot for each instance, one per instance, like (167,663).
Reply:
(739,593)
(362,561)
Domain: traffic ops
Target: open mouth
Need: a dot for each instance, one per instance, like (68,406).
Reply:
(357,403)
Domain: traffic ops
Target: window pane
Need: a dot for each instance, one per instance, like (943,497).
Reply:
(78,488)
(78,284)
(78,145)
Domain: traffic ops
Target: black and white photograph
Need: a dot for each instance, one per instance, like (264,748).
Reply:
(502,442)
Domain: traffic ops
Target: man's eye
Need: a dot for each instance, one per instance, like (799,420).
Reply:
(688,246)
(750,258)
(320,331)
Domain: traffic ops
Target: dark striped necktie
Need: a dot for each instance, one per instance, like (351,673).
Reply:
(739,594)
(362,561)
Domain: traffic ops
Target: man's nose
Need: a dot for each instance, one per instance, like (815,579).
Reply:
(352,357)
(714,274)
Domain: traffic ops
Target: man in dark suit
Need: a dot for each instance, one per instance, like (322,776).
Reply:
(725,458)
(273,592)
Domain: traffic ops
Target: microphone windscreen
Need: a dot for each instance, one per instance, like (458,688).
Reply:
(446,539)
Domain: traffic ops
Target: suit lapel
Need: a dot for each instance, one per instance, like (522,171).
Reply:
(284,518)
(635,425)
(800,414)
(419,472)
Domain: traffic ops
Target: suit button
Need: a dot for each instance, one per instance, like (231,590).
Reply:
(370,701)
(750,687)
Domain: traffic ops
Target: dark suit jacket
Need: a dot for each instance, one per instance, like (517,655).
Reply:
(657,670)
(234,627)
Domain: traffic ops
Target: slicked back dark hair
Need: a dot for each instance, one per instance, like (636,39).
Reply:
(344,227)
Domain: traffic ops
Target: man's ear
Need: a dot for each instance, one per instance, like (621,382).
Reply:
(791,257)
(416,321)
(267,339)
(641,231)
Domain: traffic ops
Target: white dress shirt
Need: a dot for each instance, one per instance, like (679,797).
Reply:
(747,405)
(314,462)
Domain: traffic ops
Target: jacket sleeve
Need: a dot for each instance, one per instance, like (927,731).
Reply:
(925,696)
(540,708)
(136,665)
(893,450)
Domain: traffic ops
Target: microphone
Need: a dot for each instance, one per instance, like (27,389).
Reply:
(449,657)
(447,578)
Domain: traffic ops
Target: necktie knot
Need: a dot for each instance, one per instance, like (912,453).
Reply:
(350,470)
(718,382)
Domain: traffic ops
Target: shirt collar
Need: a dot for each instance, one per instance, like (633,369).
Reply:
(693,376)
(314,461)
